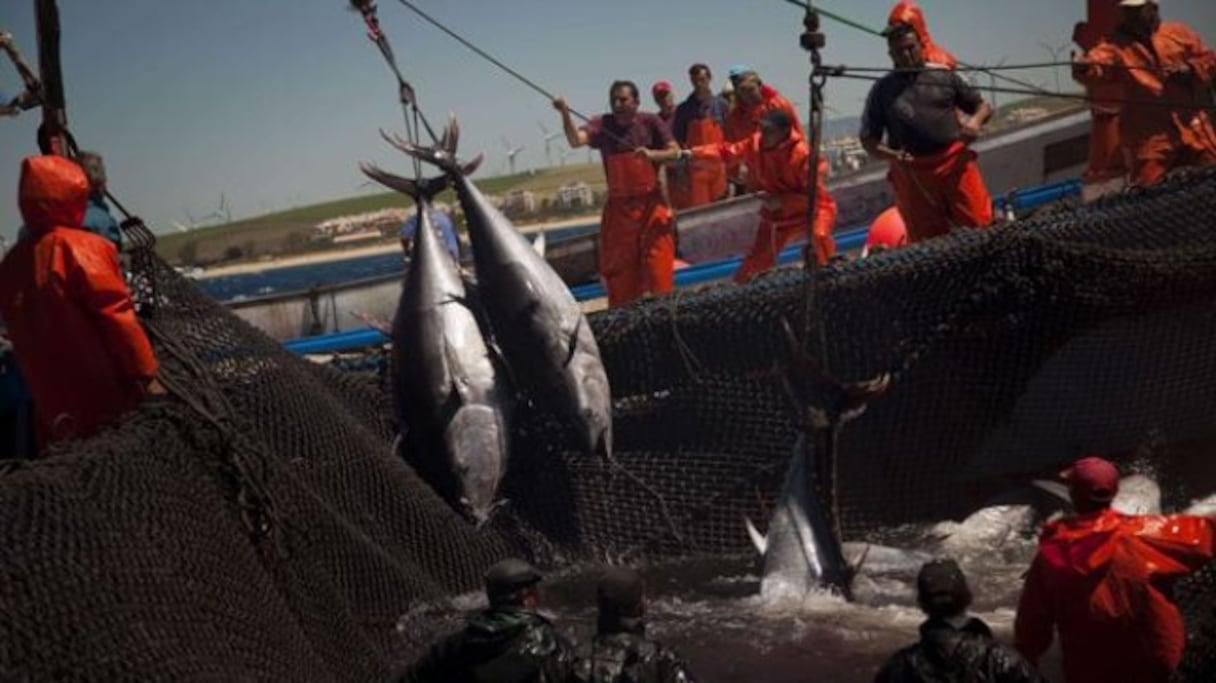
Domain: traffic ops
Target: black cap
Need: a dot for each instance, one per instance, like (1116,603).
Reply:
(620,589)
(777,118)
(509,576)
(942,582)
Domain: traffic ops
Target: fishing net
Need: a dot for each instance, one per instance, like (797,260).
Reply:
(258,525)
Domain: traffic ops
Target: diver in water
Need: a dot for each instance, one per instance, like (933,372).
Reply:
(508,643)
(953,646)
(621,652)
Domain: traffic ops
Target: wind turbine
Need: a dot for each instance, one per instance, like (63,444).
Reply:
(511,153)
(549,138)
(1055,51)
(565,153)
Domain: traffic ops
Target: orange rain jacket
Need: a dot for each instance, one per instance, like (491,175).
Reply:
(743,121)
(1162,125)
(1103,580)
(1105,149)
(69,313)
(909,13)
(784,173)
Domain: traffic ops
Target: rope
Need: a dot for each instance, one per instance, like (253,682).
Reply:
(691,363)
(1003,67)
(865,29)
(498,63)
(1080,97)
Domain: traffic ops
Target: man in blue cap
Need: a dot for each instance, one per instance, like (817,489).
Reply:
(508,642)
(443,226)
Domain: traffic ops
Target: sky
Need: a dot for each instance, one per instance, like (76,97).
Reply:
(273,103)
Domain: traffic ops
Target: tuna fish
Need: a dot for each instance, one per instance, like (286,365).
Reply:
(535,319)
(452,400)
(803,549)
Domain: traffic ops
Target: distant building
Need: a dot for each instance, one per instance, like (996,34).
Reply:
(575,196)
(360,226)
(518,202)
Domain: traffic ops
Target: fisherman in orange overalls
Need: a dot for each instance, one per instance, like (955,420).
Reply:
(934,173)
(637,241)
(699,120)
(909,13)
(1107,166)
(69,313)
(1164,72)
(753,99)
(1102,580)
(779,160)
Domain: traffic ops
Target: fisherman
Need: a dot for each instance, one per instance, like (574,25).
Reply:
(753,99)
(97,217)
(510,641)
(664,99)
(1107,168)
(678,190)
(70,316)
(780,163)
(637,242)
(910,13)
(32,95)
(953,645)
(1102,580)
(16,414)
(700,120)
(621,652)
(443,227)
(1165,74)
(935,176)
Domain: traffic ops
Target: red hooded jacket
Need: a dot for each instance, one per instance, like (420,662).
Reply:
(909,13)
(68,310)
(1103,581)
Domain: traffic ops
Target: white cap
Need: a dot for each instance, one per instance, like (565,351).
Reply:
(1136,3)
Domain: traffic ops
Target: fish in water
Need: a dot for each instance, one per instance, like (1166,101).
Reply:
(451,397)
(802,550)
(535,319)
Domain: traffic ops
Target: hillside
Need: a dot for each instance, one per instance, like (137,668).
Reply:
(289,231)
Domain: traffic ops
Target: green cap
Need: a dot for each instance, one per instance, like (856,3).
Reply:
(510,575)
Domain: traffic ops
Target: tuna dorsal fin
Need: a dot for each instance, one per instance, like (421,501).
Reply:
(758,538)
(538,244)
(422,189)
(1054,488)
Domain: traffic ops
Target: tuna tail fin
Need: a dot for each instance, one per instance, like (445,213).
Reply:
(422,189)
(442,155)
(758,539)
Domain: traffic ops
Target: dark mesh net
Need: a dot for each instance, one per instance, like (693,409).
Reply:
(260,526)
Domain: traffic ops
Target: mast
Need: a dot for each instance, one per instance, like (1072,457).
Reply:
(54,106)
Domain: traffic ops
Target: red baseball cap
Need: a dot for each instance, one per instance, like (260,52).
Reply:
(1095,478)
(661,86)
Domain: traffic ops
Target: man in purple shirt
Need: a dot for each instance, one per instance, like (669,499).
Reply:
(699,120)
(637,245)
